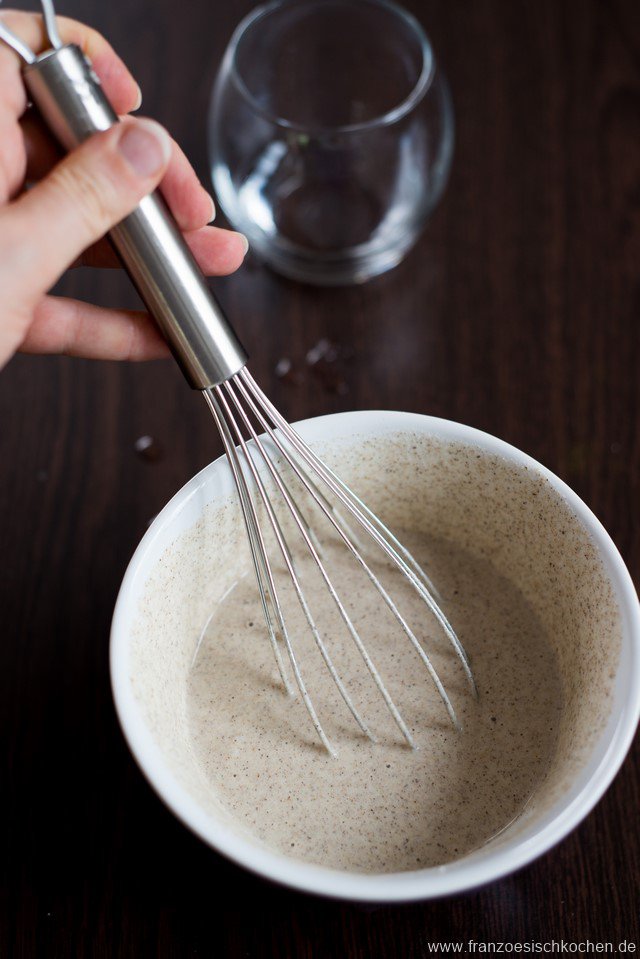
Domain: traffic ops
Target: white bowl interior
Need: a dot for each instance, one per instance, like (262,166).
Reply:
(457,484)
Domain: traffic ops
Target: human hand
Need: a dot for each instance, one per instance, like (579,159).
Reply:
(76,200)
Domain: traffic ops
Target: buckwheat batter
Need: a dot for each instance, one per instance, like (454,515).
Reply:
(382,807)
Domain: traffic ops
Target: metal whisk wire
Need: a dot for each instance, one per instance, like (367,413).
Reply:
(236,405)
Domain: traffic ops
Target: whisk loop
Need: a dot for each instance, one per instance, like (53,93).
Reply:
(258,441)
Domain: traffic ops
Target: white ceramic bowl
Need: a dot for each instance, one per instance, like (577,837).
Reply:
(148,708)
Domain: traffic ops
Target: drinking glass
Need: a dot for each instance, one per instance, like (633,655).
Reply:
(331,134)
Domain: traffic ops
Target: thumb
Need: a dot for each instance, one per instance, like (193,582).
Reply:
(86,194)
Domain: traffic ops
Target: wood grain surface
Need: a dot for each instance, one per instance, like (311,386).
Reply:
(518,313)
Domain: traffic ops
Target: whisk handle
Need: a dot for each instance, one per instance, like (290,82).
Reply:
(68,95)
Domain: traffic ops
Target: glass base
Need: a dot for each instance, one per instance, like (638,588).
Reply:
(346,270)
(338,267)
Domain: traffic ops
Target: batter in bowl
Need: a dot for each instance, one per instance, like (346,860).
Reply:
(378,807)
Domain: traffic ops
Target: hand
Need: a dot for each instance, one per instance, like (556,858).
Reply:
(61,219)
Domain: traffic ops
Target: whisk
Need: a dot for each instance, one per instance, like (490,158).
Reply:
(256,437)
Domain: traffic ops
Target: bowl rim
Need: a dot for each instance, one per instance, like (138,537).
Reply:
(452,878)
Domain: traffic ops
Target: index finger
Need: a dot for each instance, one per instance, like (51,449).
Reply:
(119,86)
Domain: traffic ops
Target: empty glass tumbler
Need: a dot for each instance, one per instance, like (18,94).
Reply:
(331,134)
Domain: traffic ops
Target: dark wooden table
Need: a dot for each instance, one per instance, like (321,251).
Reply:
(518,313)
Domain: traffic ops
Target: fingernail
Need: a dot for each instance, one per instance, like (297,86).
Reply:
(245,243)
(213,208)
(138,102)
(145,146)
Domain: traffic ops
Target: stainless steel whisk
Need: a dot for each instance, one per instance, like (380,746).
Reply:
(66,91)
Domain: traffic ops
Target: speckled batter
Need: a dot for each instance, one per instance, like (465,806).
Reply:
(506,521)
(384,807)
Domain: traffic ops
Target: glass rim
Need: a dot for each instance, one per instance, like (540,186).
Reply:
(391,116)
